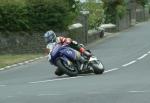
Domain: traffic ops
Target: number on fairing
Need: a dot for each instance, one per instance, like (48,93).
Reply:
(69,52)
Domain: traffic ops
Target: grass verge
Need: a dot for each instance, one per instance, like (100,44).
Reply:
(6,60)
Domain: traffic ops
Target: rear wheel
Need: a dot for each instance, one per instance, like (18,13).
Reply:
(67,68)
(59,72)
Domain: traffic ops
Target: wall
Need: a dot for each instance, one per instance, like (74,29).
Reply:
(124,23)
(139,13)
(21,43)
(142,13)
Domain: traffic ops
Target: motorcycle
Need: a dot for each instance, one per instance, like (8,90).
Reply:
(66,59)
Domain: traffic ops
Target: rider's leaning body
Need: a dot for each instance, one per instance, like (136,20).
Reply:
(51,40)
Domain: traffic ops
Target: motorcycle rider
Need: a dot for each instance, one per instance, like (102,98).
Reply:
(51,39)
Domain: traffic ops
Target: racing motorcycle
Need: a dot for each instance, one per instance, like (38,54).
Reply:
(65,58)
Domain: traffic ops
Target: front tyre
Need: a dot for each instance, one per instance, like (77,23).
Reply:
(68,69)
(98,68)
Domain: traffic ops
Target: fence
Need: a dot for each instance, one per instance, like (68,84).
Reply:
(125,22)
(142,13)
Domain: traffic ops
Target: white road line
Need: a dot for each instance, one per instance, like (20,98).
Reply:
(137,91)
(7,67)
(36,58)
(149,52)
(91,93)
(143,56)
(132,62)
(31,60)
(20,63)
(2,69)
(111,70)
(50,94)
(14,65)
(44,81)
(26,62)
(2,85)
(10,96)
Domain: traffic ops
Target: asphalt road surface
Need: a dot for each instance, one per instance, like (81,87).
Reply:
(126,56)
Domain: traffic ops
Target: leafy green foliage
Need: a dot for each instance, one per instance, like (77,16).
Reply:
(73,5)
(35,15)
(114,9)
(96,14)
(12,16)
(121,10)
(142,2)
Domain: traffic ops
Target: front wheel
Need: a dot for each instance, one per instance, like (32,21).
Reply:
(67,68)
(98,68)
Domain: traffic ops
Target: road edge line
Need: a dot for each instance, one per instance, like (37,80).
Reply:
(22,63)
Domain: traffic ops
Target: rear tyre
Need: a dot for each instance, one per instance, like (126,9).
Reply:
(70,70)
(59,72)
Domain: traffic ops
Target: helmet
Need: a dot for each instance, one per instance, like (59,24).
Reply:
(50,37)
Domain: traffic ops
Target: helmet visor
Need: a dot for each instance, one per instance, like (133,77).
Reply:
(50,39)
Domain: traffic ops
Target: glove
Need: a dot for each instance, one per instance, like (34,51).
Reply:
(74,42)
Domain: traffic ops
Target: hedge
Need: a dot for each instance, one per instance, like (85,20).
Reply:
(96,15)
(142,2)
(35,15)
(12,15)
(114,9)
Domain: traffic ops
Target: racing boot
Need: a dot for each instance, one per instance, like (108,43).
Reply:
(82,60)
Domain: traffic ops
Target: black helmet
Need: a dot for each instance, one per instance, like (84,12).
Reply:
(50,37)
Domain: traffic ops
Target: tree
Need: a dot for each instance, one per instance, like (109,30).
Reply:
(35,15)
(142,2)
(74,5)
(96,14)
(114,9)
(49,14)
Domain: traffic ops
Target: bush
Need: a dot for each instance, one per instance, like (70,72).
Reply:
(121,10)
(13,16)
(114,9)
(142,2)
(35,15)
(46,14)
(96,13)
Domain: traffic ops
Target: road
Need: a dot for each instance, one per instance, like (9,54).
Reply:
(126,56)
